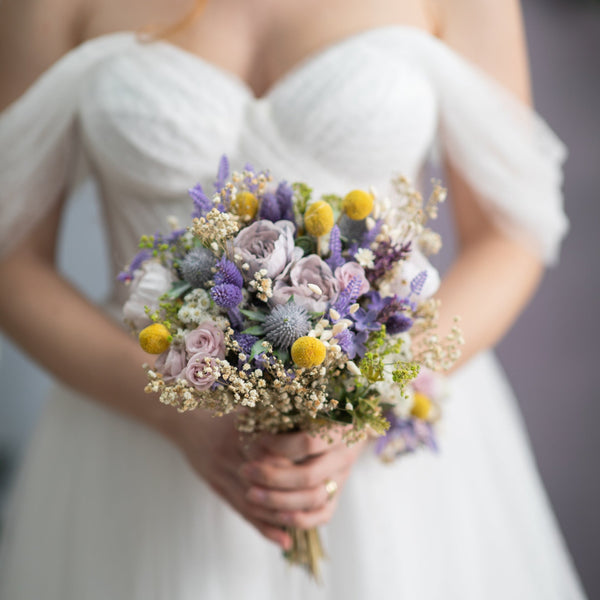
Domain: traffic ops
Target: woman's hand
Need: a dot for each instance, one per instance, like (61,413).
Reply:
(287,477)
(275,481)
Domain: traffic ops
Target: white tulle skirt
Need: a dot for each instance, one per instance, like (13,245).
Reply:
(105,509)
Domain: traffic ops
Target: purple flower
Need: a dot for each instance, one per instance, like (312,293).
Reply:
(246,341)
(308,270)
(136,263)
(349,271)
(201,371)
(227,272)
(266,245)
(222,173)
(348,296)
(202,203)
(335,259)
(269,208)
(387,255)
(206,338)
(285,195)
(351,343)
(226,295)
(398,323)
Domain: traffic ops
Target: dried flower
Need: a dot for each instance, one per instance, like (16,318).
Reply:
(318,218)
(358,204)
(308,352)
(197,266)
(155,338)
(285,324)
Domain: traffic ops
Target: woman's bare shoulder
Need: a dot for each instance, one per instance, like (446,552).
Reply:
(33,35)
(491,35)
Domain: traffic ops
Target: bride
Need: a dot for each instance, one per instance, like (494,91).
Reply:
(122,498)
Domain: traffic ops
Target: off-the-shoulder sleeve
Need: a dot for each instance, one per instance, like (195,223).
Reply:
(505,151)
(38,141)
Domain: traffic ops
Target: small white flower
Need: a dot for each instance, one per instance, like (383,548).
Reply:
(334,314)
(349,406)
(365,258)
(354,308)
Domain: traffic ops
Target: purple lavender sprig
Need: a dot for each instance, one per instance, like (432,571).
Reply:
(387,254)
(335,259)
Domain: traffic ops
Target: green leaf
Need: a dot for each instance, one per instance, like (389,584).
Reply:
(282,355)
(307,243)
(178,289)
(254,330)
(257,349)
(255,315)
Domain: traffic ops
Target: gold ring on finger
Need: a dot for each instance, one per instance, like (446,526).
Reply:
(331,487)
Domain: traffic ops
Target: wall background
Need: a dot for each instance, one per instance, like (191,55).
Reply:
(551,355)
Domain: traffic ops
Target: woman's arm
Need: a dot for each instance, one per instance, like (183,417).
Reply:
(493,276)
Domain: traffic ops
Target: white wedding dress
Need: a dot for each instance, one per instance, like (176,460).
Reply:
(105,509)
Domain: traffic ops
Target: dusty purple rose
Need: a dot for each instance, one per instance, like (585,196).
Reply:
(196,374)
(310,269)
(171,363)
(148,285)
(207,338)
(267,245)
(347,272)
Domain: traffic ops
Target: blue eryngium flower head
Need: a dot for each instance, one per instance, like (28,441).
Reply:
(285,324)
(197,267)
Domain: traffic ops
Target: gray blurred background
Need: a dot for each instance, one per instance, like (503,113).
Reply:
(551,355)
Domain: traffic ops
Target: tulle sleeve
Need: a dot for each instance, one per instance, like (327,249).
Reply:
(39,145)
(501,147)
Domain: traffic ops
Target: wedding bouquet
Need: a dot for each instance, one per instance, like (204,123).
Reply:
(297,313)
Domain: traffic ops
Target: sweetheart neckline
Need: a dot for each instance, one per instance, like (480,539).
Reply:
(299,67)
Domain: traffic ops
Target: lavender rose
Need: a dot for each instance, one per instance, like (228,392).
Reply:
(310,269)
(171,364)
(207,338)
(349,271)
(196,371)
(149,283)
(266,245)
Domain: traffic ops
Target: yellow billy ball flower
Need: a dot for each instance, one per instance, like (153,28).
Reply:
(421,406)
(318,218)
(155,339)
(358,204)
(308,352)
(245,205)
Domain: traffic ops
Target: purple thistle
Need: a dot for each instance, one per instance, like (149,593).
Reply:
(136,263)
(228,273)
(202,203)
(222,173)
(348,296)
(246,341)
(417,283)
(226,295)
(335,259)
